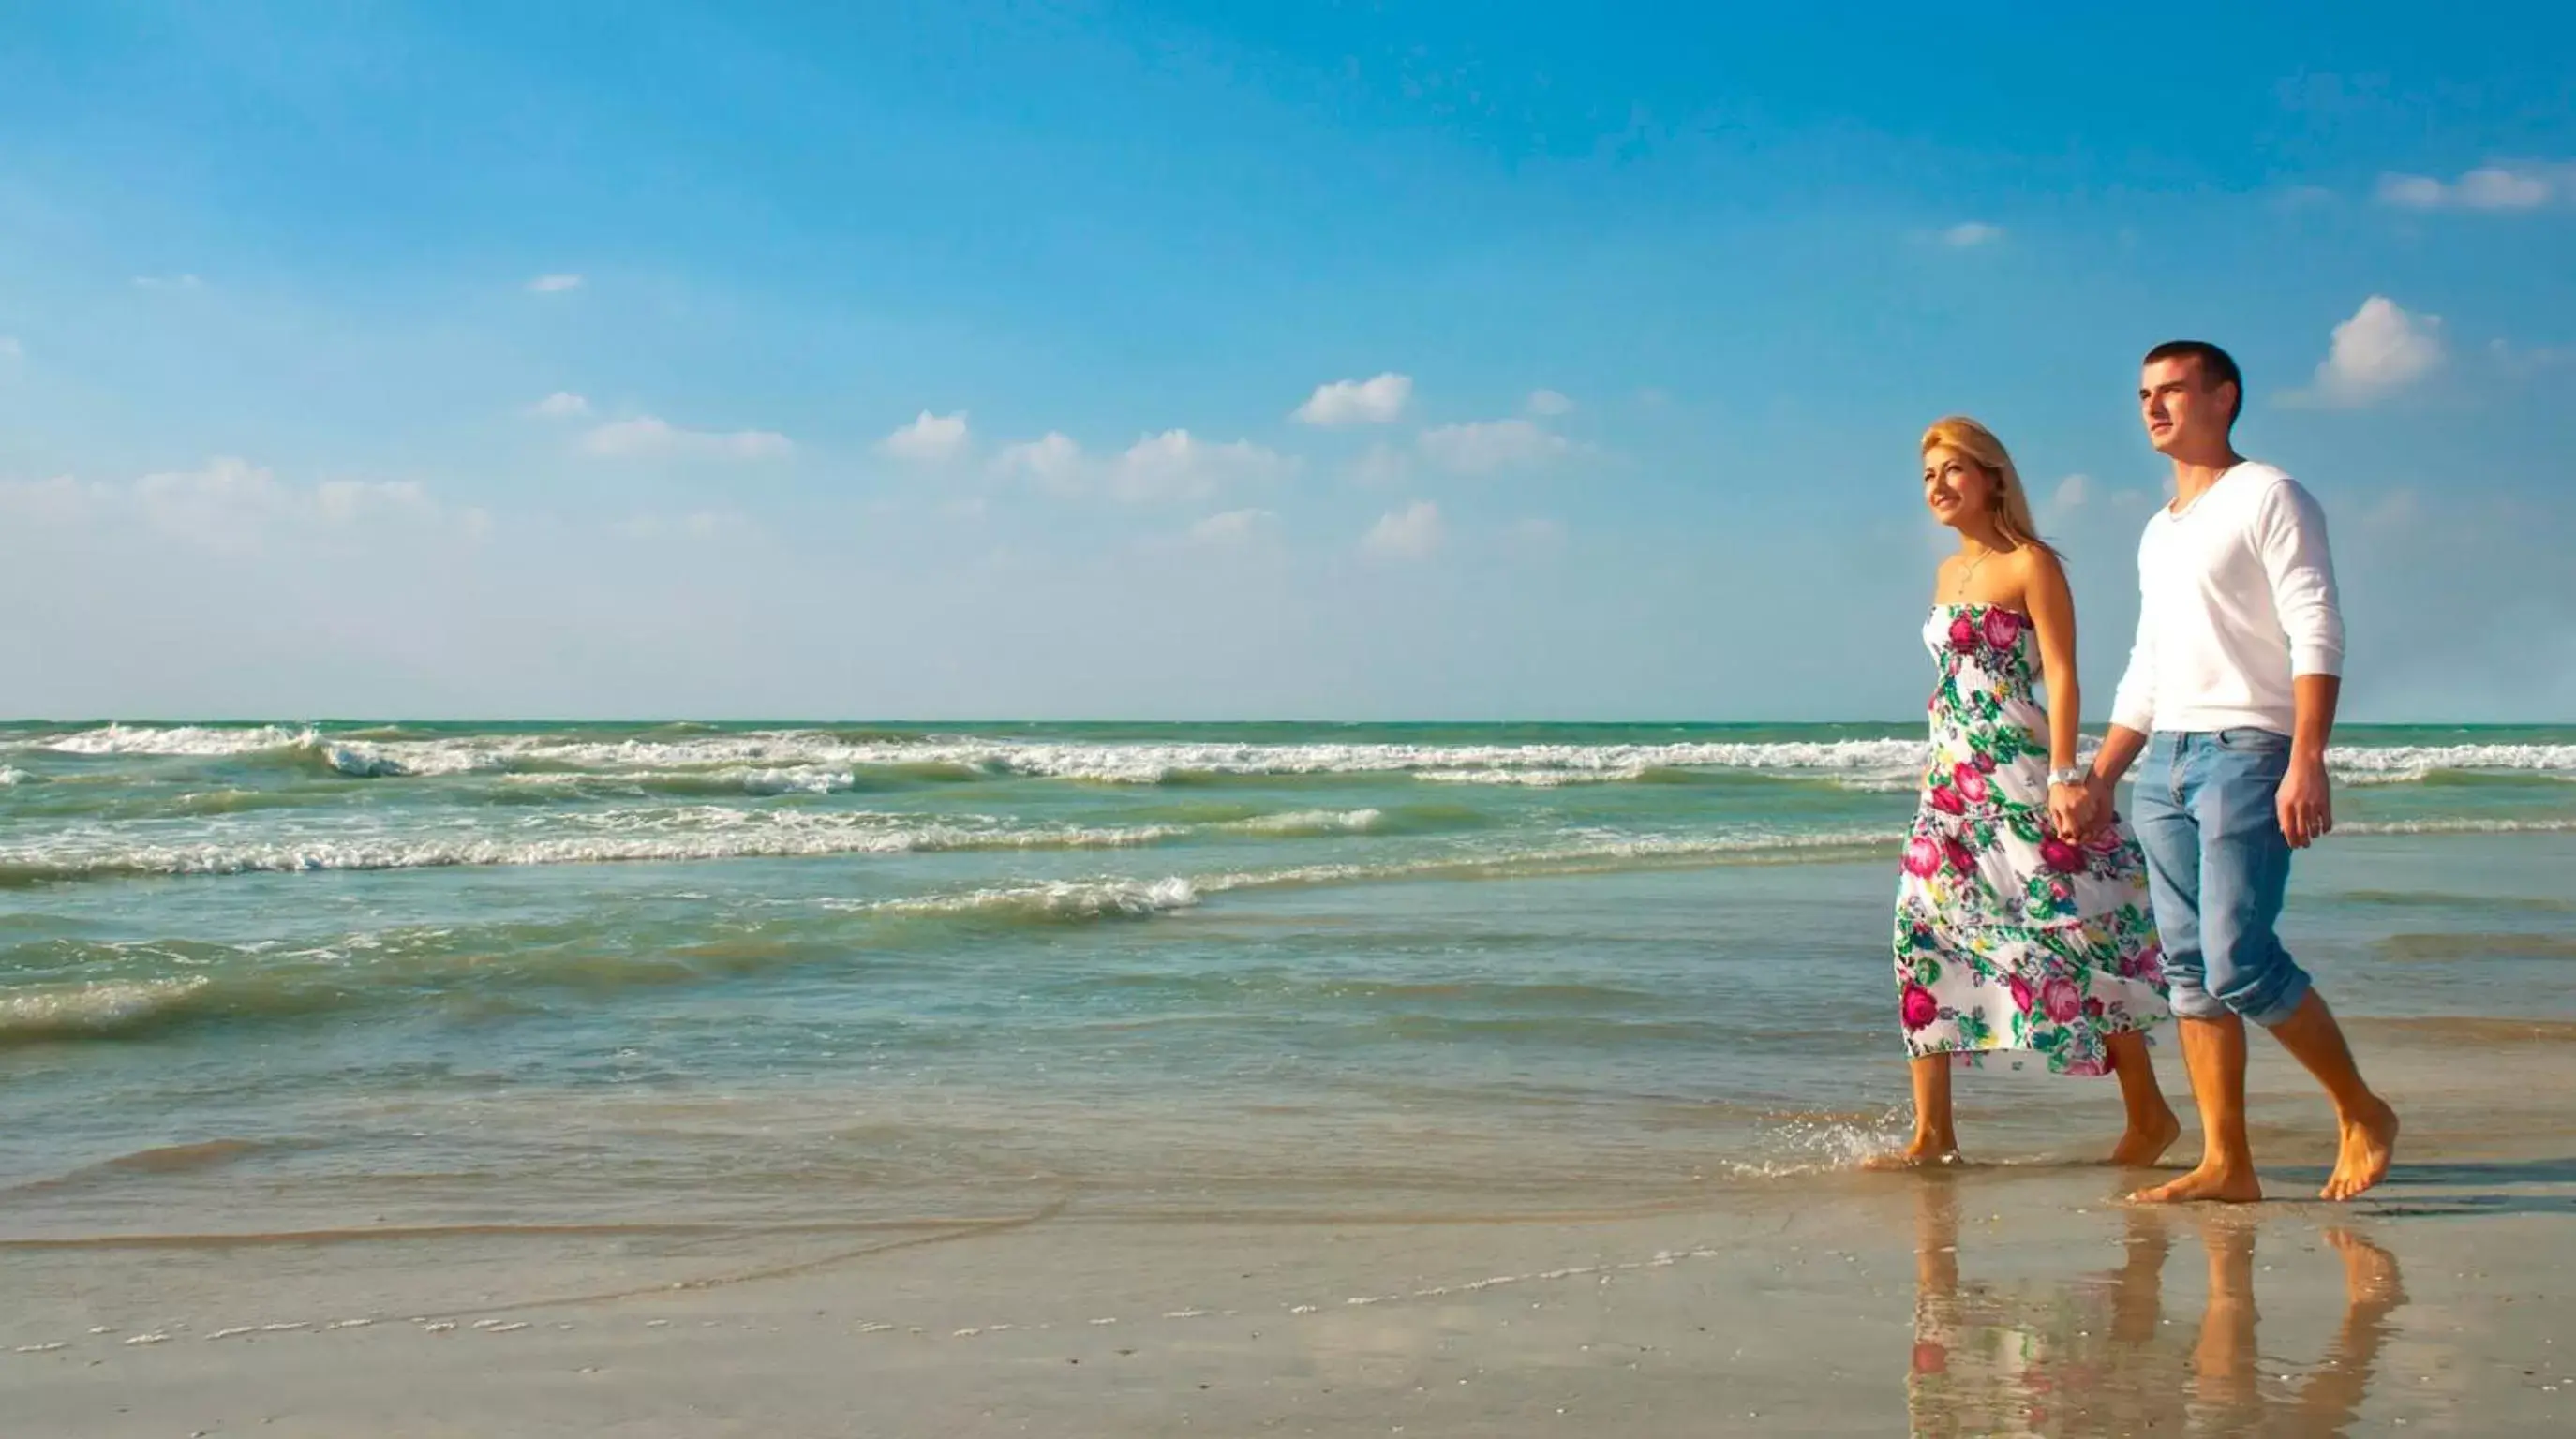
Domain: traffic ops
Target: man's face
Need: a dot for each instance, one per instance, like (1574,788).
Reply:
(2183,412)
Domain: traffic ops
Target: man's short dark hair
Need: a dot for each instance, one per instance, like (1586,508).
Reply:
(2217,367)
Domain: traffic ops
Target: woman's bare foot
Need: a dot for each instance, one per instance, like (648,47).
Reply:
(1924,1152)
(2209,1183)
(2369,1138)
(2140,1147)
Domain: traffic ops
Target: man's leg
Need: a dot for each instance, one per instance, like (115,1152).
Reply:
(2245,868)
(2368,1127)
(2213,1041)
(2213,1051)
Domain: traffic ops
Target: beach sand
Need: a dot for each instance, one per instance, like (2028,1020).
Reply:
(2016,1298)
(884,1068)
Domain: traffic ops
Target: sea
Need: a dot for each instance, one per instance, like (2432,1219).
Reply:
(315,977)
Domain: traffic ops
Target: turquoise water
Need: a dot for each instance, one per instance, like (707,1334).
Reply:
(291,976)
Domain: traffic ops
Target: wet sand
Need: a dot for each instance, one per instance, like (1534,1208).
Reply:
(1998,1299)
(1644,1263)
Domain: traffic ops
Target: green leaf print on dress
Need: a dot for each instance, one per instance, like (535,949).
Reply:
(2008,937)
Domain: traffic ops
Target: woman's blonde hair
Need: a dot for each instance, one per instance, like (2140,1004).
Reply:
(2012,500)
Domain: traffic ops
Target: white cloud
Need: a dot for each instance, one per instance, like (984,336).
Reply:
(647,437)
(2071,495)
(1173,465)
(1407,534)
(167,282)
(1969,234)
(561,405)
(1358,402)
(347,501)
(2381,350)
(930,439)
(1234,527)
(1549,402)
(553,284)
(1381,465)
(1484,446)
(2495,188)
(1053,462)
(2524,361)
(232,505)
(696,525)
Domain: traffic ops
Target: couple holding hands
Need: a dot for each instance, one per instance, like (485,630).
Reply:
(2029,917)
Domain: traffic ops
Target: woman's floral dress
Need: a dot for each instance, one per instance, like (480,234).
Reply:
(2008,937)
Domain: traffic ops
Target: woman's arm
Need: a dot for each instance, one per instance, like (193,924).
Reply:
(2052,612)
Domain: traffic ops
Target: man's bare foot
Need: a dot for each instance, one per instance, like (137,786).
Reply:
(2208,1183)
(1924,1152)
(2139,1148)
(2369,1138)
(2370,1278)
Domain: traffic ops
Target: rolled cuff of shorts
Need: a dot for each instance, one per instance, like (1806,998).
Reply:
(2275,1007)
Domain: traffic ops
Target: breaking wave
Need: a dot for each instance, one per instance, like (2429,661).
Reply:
(822,761)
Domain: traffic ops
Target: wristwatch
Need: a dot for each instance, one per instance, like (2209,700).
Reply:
(2076,776)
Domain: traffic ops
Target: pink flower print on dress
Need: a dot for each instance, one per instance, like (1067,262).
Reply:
(1988,891)
(1920,1007)
(2149,965)
(2061,999)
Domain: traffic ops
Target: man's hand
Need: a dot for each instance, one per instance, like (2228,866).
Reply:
(2306,801)
(2070,811)
(2100,792)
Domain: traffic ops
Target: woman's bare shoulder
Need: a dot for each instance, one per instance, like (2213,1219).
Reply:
(2040,577)
(2037,562)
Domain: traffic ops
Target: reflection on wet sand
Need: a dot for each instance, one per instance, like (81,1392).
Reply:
(2097,1356)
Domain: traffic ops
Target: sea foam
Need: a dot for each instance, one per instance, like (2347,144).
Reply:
(782,761)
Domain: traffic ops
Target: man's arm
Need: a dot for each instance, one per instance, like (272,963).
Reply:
(2120,747)
(2306,799)
(2133,715)
(2292,541)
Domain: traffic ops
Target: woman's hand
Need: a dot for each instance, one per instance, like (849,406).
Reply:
(2070,811)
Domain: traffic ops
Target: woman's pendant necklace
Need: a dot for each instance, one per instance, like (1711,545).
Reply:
(1960,592)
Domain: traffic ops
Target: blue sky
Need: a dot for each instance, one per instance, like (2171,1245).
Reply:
(1276,359)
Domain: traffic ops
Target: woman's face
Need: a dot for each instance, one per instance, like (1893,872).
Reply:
(1956,488)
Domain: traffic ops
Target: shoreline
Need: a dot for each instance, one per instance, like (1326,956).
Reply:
(1796,1306)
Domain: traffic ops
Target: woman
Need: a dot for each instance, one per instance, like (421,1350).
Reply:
(2021,922)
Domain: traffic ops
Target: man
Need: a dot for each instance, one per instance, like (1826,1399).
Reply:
(2235,675)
